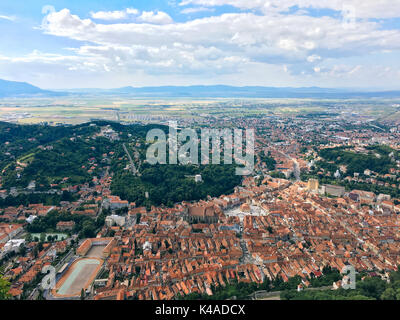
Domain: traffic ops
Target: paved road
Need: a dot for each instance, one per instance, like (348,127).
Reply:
(296,169)
(134,171)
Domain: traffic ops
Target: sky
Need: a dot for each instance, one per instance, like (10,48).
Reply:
(60,44)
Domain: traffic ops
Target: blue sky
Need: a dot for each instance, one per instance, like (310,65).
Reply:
(92,43)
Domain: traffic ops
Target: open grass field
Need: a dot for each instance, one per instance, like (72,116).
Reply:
(60,236)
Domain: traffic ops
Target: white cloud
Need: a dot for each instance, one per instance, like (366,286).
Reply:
(361,8)
(313,58)
(132,11)
(9,18)
(220,44)
(114,15)
(285,38)
(158,17)
(245,46)
(196,10)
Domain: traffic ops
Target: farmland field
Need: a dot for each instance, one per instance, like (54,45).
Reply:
(80,110)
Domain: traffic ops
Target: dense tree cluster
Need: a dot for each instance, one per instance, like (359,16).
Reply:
(84,226)
(370,288)
(23,138)
(65,151)
(356,162)
(4,288)
(268,160)
(168,184)
(46,199)
(67,158)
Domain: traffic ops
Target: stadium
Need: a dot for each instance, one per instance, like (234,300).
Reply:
(82,270)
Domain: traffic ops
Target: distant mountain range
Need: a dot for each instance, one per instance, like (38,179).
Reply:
(221,91)
(12,89)
(22,89)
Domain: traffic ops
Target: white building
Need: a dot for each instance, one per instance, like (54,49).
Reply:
(11,246)
(115,220)
(32,185)
(30,219)
(115,203)
(147,246)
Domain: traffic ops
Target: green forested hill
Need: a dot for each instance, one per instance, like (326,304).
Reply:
(377,159)
(47,155)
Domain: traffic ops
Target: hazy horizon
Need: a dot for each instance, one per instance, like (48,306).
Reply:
(361,89)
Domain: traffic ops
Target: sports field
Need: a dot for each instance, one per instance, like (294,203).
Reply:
(79,276)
